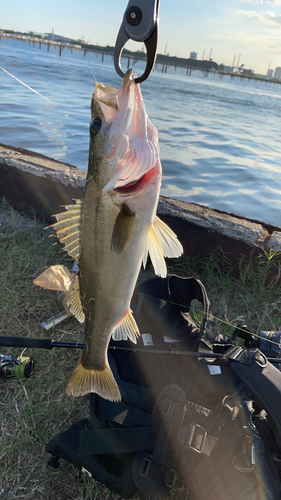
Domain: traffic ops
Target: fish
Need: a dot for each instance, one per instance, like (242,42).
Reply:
(111,232)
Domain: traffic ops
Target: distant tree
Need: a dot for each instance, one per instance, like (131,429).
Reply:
(221,67)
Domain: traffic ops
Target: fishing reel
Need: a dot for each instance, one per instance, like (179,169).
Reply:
(12,366)
(269,342)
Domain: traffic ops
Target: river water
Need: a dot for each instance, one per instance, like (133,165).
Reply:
(219,138)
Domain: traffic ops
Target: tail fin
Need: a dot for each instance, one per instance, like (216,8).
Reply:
(102,382)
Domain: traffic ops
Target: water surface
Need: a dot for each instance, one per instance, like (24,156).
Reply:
(219,139)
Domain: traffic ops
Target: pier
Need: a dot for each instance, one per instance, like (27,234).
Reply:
(64,45)
(132,58)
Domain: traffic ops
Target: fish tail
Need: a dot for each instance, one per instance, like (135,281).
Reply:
(102,382)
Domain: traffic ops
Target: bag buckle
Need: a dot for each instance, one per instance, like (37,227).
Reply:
(243,458)
(144,467)
(171,409)
(170,478)
(170,474)
(193,436)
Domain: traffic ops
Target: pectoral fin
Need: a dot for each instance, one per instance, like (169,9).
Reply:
(123,228)
(73,301)
(55,278)
(127,329)
(168,239)
(68,228)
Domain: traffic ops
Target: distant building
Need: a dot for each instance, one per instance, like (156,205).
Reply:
(229,69)
(58,38)
(270,73)
(246,72)
(277,73)
(193,55)
(36,33)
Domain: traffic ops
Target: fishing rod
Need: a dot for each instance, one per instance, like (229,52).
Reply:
(23,367)
(37,343)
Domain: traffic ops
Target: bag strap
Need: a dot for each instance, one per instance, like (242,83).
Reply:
(124,414)
(263,380)
(155,472)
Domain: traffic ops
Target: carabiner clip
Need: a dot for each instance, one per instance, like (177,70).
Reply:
(140,23)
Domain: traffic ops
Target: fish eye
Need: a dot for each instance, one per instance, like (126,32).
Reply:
(95,125)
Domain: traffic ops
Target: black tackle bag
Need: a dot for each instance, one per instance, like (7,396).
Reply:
(195,410)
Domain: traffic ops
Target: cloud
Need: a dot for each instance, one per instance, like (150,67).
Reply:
(252,1)
(272,3)
(268,18)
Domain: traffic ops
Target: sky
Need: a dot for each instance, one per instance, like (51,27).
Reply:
(222,29)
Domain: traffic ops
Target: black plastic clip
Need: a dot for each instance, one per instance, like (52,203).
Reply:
(193,436)
(140,24)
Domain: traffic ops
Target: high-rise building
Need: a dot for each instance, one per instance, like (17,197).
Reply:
(270,73)
(277,73)
(193,55)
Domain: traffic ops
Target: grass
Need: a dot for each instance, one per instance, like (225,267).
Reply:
(33,411)
(252,298)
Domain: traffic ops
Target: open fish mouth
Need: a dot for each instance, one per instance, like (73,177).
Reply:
(134,148)
(137,185)
(131,187)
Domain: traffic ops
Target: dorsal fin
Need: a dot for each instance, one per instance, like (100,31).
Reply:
(68,228)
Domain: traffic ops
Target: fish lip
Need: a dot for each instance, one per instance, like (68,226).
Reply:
(129,78)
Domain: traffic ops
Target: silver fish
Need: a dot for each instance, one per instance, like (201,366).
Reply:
(112,231)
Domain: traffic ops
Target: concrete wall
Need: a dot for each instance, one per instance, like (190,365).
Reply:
(33,183)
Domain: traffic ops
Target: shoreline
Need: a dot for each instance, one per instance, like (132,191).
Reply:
(36,184)
(190,65)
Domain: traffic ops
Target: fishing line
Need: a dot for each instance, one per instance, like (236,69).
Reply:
(27,86)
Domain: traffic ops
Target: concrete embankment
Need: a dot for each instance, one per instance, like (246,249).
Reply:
(34,183)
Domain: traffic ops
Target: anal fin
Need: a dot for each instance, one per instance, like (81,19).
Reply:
(127,329)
